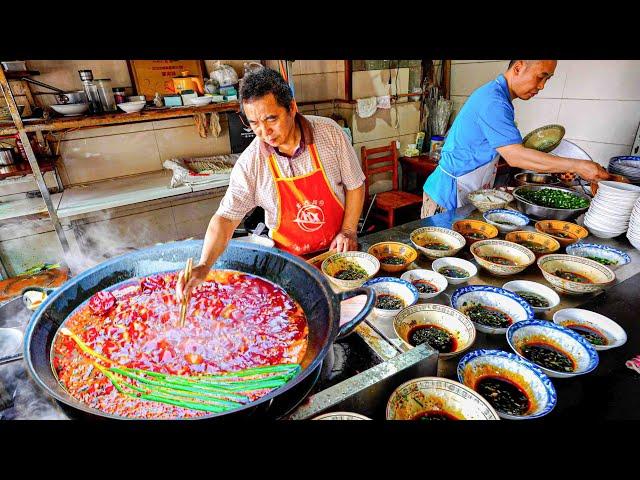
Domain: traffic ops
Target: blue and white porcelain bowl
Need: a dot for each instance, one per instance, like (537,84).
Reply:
(495,298)
(393,286)
(480,364)
(516,219)
(418,275)
(592,322)
(571,344)
(595,250)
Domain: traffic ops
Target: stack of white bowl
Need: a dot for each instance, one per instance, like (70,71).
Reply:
(633,233)
(609,214)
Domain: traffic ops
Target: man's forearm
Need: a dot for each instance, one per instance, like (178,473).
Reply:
(528,159)
(354,201)
(219,232)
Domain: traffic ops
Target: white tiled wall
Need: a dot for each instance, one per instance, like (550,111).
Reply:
(597,101)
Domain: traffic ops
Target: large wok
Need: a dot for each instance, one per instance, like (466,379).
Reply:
(302,281)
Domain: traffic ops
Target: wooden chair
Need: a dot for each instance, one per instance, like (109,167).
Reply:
(386,203)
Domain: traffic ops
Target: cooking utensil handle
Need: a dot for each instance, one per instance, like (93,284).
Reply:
(348,327)
(40,84)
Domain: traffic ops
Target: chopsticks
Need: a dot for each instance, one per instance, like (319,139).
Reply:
(185,299)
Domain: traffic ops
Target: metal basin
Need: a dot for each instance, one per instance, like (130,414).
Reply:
(546,213)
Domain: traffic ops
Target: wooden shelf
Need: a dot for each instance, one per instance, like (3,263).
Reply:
(17,75)
(46,163)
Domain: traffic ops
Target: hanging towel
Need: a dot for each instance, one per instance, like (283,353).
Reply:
(366,107)
(383,101)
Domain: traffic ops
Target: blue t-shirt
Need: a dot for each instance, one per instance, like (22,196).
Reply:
(485,122)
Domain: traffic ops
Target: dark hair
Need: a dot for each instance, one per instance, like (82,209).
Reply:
(261,82)
(511,62)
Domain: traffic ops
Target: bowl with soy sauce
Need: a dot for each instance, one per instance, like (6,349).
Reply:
(505,220)
(491,309)
(437,242)
(516,388)
(604,254)
(502,258)
(393,256)
(349,270)
(540,297)
(575,275)
(557,351)
(392,295)
(429,283)
(437,398)
(475,230)
(445,329)
(455,270)
(602,332)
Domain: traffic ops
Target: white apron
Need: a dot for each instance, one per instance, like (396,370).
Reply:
(481,177)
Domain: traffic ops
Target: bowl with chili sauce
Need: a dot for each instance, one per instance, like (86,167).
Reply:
(437,398)
(445,329)
(437,242)
(575,275)
(429,283)
(393,256)
(516,388)
(491,309)
(565,233)
(557,351)
(349,270)
(392,295)
(502,258)
(474,230)
(602,332)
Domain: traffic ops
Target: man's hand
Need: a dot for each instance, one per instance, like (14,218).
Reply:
(591,171)
(345,241)
(198,275)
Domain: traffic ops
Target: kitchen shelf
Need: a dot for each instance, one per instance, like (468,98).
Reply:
(18,74)
(63,123)
(26,206)
(46,164)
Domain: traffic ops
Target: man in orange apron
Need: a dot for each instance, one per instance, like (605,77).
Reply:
(301,169)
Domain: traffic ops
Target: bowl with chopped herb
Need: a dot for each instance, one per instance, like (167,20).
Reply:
(539,243)
(393,256)
(445,329)
(437,242)
(505,220)
(502,258)
(557,351)
(491,309)
(575,275)
(392,295)
(604,254)
(565,233)
(455,270)
(437,398)
(540,297)
(489,198)
(516,388)
(547,202)
(428,282)
(349,270)
(475,230)
(602,332)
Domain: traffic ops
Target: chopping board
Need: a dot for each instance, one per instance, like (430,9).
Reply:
(12,287)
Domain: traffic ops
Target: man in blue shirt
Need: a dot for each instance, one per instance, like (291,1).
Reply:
(484,130)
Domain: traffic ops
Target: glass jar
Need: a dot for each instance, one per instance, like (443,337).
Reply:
(91,90)
(119,95)
(106,94)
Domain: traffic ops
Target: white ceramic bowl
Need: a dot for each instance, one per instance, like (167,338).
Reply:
(614,333)
(572,344)
(434,278)
(131,107)
(451,238)
(71,109)
(338,261)
(199,101)
(493,297)
(469,267)
(495,216)
(479,364)
(439,396)
(258,240)
(602,251)
(393,286)
(521,256)
(454,322)
(600,275)
(534,287)
(10,341)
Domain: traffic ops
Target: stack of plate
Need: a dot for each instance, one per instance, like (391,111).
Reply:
(627,166)
(633,233)
(610,211)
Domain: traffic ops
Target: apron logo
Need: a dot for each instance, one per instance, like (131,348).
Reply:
(310,217)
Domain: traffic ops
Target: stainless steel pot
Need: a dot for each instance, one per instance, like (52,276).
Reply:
(546,213)
(6,156)
(62,97)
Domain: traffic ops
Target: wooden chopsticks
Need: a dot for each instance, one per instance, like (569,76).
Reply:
(185,298)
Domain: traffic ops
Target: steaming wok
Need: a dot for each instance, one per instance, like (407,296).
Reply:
(302,281)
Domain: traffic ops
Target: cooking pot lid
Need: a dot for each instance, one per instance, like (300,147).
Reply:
(544,139)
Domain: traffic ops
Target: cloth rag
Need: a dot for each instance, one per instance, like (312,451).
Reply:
(366,107)
(383,101)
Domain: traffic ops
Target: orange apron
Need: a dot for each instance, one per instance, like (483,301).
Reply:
(309,215)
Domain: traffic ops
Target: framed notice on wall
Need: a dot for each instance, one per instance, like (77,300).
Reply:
(151,76)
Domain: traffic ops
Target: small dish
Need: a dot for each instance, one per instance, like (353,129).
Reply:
(395,287)
(565,233)
(131,107)
(258,240)
(608,256)
(441,265)
(486,371)
(489,199)
(200,101)
(367,264)
(502,258)
(429,278)
(587,276)
(602,332)
(387,252)
(438,238)
(518,286)
(539,243)
(437,398)
(341,416)
(505,220)
(493,300)
(474,230)
(451,331)
(541,341)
